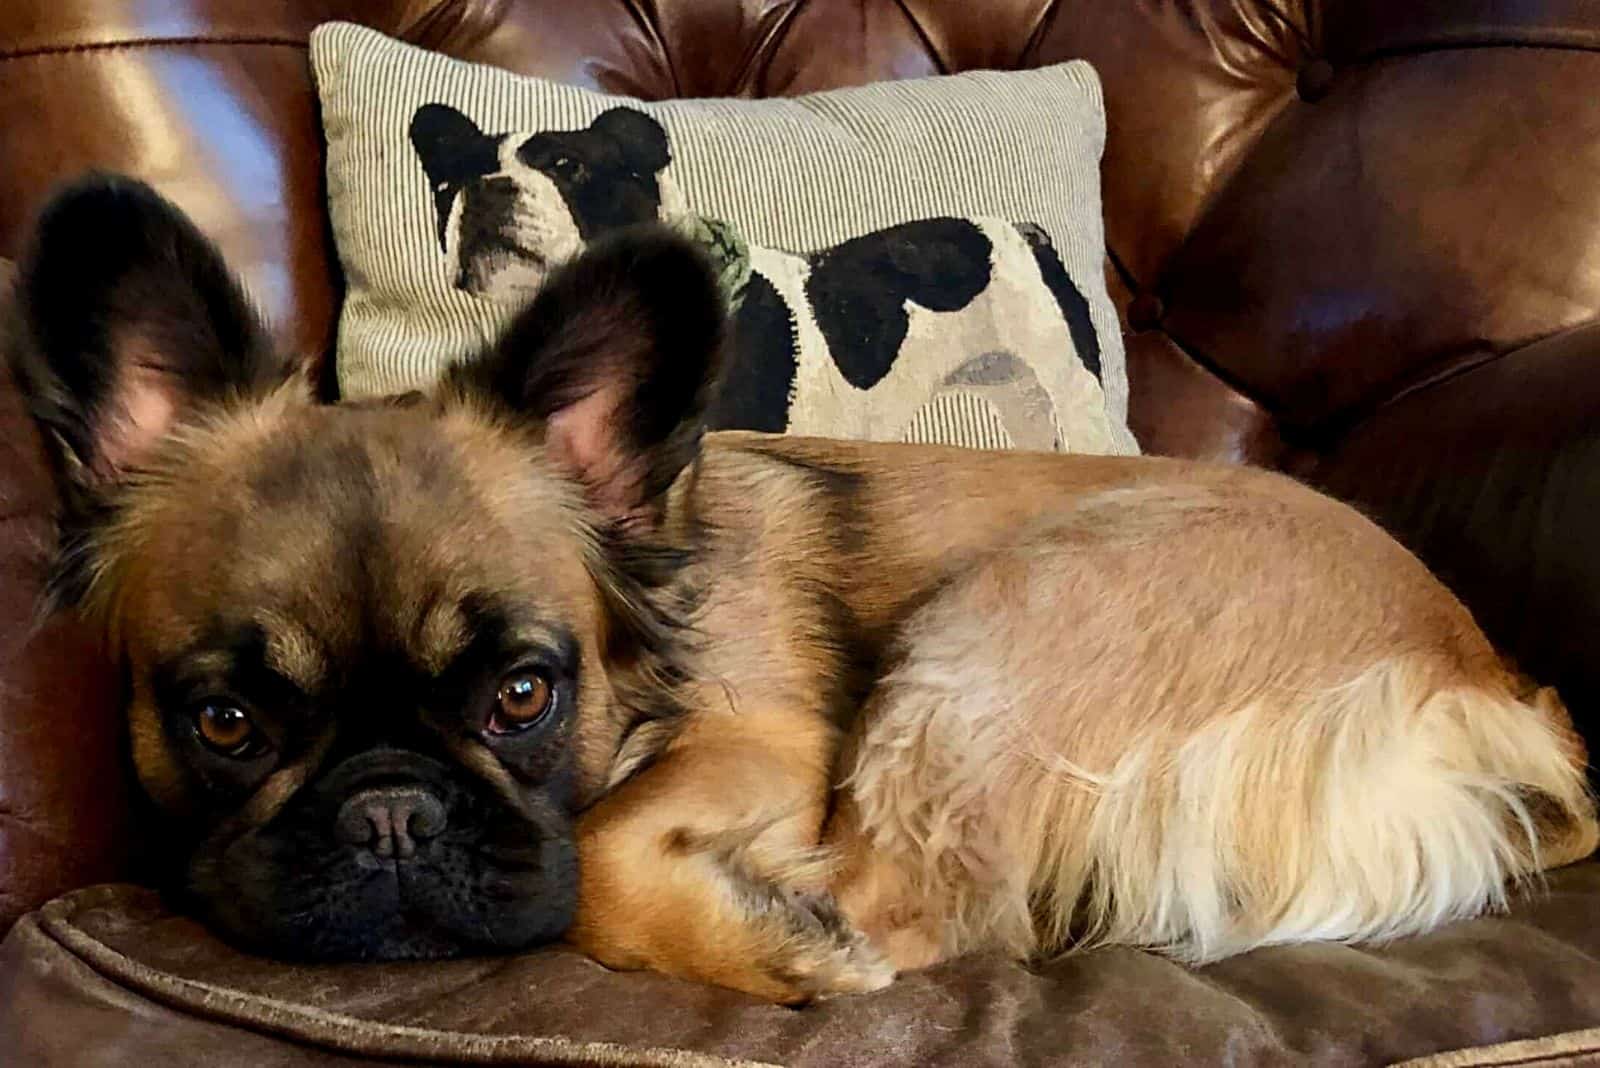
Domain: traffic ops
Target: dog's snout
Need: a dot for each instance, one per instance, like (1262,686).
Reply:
(391,820)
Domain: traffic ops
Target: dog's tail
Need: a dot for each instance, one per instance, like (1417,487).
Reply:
(1374,810)
(1383,807)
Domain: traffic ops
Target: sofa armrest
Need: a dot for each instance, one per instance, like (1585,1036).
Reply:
(1493,478)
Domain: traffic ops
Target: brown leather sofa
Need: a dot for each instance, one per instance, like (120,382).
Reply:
(1358,240)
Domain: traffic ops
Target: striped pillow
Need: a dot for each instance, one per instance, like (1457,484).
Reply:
(916,260)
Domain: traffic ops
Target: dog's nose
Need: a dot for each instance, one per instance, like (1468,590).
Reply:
(390,820)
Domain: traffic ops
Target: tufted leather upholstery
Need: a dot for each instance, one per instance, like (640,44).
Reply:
(1355,239)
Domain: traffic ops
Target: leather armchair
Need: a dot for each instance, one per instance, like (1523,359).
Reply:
(1358,240)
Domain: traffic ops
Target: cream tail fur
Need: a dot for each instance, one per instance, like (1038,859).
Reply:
(1016,816)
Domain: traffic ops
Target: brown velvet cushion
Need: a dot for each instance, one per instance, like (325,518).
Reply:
(122,980)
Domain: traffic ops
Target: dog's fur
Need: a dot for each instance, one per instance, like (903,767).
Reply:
(823,710)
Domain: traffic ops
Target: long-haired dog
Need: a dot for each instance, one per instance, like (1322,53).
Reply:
(534,657)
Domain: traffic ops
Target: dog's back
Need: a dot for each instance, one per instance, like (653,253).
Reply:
(1109,700)
(1194,708)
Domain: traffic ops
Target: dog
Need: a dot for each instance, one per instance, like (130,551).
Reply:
(533,657)
(945,299)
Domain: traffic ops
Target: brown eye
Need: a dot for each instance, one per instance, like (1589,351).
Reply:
(523,700)
(226,729)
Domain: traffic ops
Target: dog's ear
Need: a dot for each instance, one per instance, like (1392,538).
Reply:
(124,318)
(452,151)
(642,140)
(616,357)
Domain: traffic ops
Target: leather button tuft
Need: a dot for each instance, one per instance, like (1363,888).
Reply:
(1314,80)
(1145,312)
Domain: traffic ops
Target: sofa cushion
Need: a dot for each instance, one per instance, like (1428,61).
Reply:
(119,979)
(919,260)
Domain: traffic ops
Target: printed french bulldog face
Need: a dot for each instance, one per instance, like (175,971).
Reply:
(510,206)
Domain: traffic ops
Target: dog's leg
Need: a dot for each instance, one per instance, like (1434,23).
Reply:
(924,864)
(706,866)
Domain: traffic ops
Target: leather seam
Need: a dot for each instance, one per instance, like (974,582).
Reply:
(749,73)
(1191,354)
(437,26)
(1211,367)
(1435,375)
(759,63)
(641,19)
(1421,380)
(1047,20)
(1273,10)
(940,63)
(1119,265)
(155,42)
(1534,41)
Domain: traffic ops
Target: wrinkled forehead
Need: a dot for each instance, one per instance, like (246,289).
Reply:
(326,528)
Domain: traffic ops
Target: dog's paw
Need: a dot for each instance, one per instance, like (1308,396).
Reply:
(824,955)
(722,920)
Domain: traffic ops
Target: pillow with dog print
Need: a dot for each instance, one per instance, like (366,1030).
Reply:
(906,261)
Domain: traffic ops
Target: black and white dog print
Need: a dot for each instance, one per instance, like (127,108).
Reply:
(937,329)
(509,207)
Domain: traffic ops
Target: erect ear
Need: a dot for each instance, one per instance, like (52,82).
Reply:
(641,138)
(616,357)
(452,151)
(125,319)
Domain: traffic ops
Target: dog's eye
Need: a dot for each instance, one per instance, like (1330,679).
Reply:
(524,699)
(570,167)
(226,729)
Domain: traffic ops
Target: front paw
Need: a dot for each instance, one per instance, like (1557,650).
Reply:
(778,945)
(824,955)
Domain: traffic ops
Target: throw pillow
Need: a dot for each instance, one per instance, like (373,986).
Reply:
(915,260)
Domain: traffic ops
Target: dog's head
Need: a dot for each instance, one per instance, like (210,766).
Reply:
(509,206)
(378,655)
